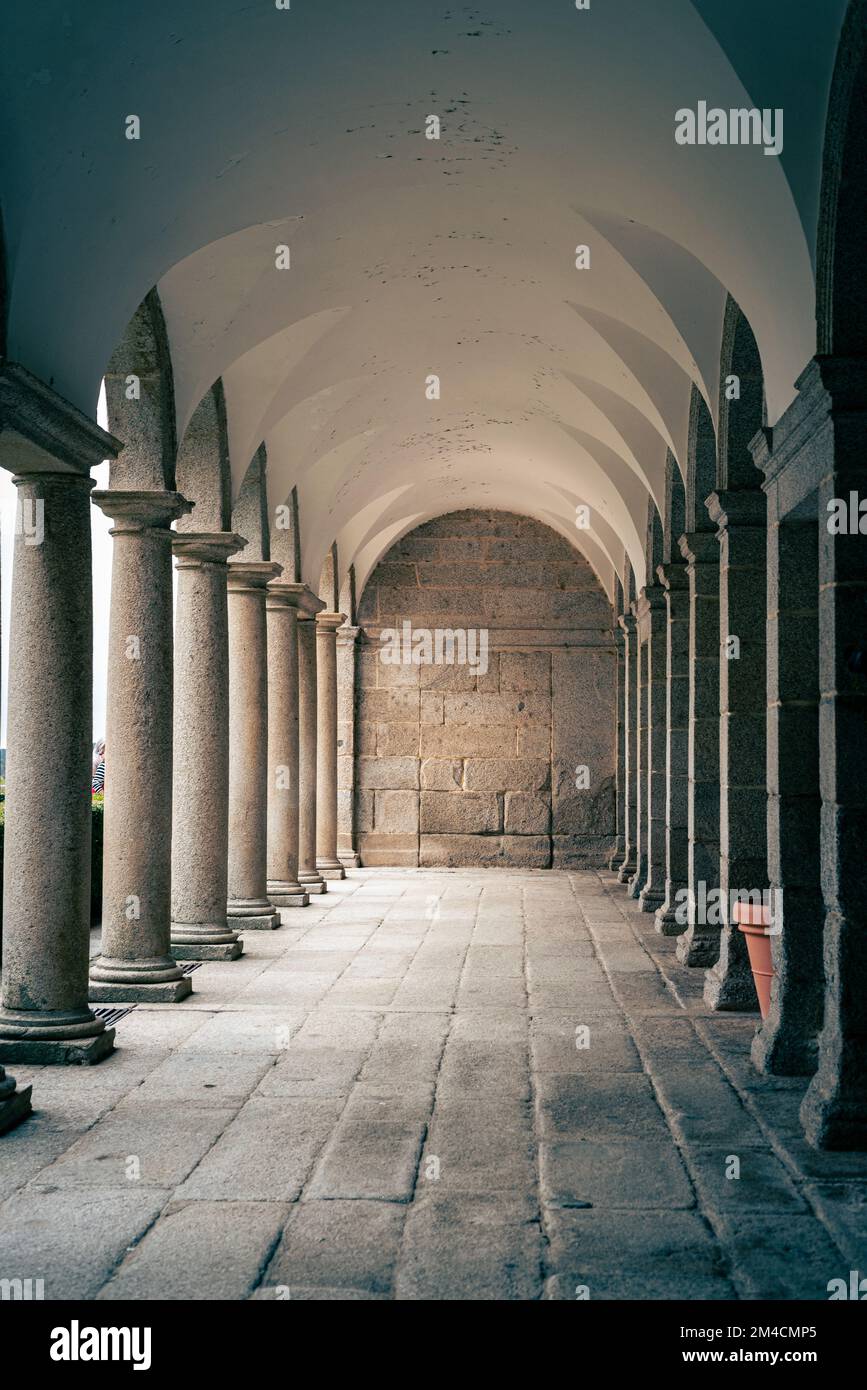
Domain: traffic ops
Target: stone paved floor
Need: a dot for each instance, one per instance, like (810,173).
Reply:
(385,1099)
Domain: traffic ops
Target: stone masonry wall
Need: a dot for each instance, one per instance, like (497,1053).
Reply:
(459,767)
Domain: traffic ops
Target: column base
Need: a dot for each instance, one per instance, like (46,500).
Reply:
(15,1107)
(286,894)
(637,881)
(206,943)
(118,993)
(232,950)
(253,922)
(698,948)
(350,860)
(330,869)
(667,923)
(313,883)
(115,981)
(48,1052)
(780,1051)
(616,858)
(729,987)
(650,899)
(626,870)
(831,1120)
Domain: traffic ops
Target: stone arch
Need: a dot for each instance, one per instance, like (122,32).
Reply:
(250,513)
(841,288)
(286,538)
(140,400)
(474,760)
(329,579)
(674,520)
(654,541)
(740,418)
(701,462)
(203,473)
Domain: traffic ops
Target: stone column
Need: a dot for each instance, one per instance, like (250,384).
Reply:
(248,907)
(742,522)
(44,1014)
(308,875)
(652,893)
(670,921)
(347,649)
(14,1104)
(639,877)
(200,805)
(699,944)
(327,862)
(135,961)
(834,391)
(284,890)
(619,851)
(630,720)
(787,1041)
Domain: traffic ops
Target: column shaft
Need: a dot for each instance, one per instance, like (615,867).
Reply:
(742,520)
(308,875)
(639,878)
(699,944)
(653,891)
(671,921)
(327,862)
(347,653)
(834,1111)
(630,721)
(135,961)
(248,905)
(618,853)
(284,890)
(44,1014)
(787,1042)
(200,804)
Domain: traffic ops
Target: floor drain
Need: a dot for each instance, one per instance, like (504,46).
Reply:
(189,966)
(112,1016)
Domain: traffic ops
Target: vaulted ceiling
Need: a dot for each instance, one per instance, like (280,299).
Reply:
(411,257)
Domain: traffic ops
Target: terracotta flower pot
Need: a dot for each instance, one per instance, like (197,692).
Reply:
(755,923)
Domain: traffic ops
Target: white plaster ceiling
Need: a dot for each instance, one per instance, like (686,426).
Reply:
(412,257)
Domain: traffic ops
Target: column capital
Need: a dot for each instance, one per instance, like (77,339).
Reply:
(673,577)
(192,548)
(308,604)
(278,595)
(42,432)
(140,511)
(329,622)
(737,508)
(626,623)
(245,575)
(347,634)
(652,597)
(699,548)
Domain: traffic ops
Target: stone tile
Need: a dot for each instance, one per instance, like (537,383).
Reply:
(373,1152)
(634,1175)
(199,1250)
(73,1237)
(637,1255)
(483,1247)
(611,1105)
(351,1246)
(267,1151)
(782,1257)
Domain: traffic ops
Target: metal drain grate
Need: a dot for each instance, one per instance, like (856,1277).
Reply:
(112,1016)
(189,966)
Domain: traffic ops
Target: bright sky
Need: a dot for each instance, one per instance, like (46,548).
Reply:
(102,547)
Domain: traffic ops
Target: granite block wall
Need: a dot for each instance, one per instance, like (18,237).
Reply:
(477,764)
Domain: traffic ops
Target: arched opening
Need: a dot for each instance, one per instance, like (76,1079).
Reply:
(486,706)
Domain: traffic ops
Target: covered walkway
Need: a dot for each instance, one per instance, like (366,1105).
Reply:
(441,1084)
